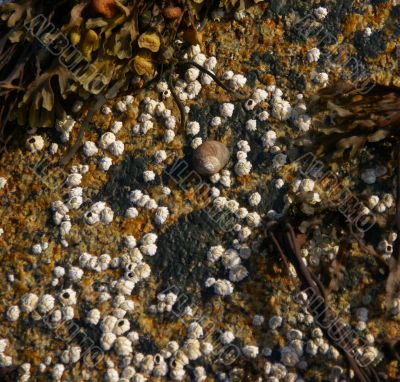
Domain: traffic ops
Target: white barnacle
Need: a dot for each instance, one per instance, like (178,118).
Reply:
(241,213)
(192,349)
(35,143)
(67,297)
(206,348)
(13,313)
(90,149)
(93,317)
(226,109)
(193,128)
(107,340)
(160,156)
(74,180)
(58,371)
(237,81)
(250,351)
(121,106)
(123,346)
(289,356)
(108,323)
(321,78)
(106,110)
(121,326)
(260,95)
(251,125)
(37,249)
(161,215)
(230,258)
(244,146)
(193,89)
(244,234)
(145,127)
(223,287)
(269,138)
(148,249)
(320,13)
(170,122)
(258,320)
(303,122)
(75,274)
(196,142)
(279,160)
(91,217)
(226,337)
(263,115)
(29,302)
(195,330)
(131,212)
(149,238)
(46,303)
(106,139)
(107,215)
(313,55)
(200,58)
(254,199)
(215,253)
(232,205)
(238,273)
(65,227)
(116,148)
(105,163)
(192,74)
(281,109)
(116,127)
(169,135)
(243,167)
(3,182)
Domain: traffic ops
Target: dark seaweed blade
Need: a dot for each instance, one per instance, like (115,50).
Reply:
(346,119)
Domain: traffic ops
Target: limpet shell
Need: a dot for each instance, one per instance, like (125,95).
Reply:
(210,157)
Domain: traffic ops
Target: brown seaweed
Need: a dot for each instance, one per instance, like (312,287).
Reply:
(347,119)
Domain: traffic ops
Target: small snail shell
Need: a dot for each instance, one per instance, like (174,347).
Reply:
(210,157)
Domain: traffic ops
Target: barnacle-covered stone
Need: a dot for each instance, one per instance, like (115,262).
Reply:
(210,157)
